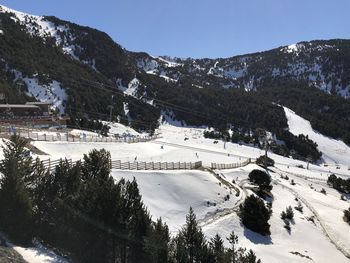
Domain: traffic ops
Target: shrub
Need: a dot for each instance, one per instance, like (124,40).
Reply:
(261,161)
(260,178)
(255,215)
(347,216)
(288,214)
(299,207)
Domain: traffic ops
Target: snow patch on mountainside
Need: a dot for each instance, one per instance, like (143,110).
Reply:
(333,151)
(52,92)
(169,62)
(133,87)
(41,27)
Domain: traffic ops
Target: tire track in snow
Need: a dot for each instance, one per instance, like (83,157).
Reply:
(218,214)
(337,243)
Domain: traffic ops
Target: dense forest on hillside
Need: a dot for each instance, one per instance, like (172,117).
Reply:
(329,114)
(81,211)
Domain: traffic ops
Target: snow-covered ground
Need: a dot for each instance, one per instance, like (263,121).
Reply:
(39,254)
(169,194)
(334,151)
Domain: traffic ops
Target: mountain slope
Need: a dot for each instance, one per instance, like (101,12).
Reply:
(85,72)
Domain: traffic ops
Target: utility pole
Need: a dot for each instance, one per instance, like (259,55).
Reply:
(110,107)
(266,148)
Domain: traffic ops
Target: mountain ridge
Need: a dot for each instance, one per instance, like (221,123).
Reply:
(96,72)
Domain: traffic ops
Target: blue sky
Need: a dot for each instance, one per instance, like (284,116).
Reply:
(201,28)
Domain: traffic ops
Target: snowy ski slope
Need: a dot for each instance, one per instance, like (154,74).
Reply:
(169,194)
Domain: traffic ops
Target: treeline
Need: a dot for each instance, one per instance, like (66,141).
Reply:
(328,114)
(88,124)
(299,147)
(338,183)
(82,212)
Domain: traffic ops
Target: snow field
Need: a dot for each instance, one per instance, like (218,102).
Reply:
(170,194)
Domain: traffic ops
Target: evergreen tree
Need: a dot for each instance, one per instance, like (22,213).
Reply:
(157,244)
(250,257)
(217,247)
(255,215)
(233,251)
(15,205)
(194,248)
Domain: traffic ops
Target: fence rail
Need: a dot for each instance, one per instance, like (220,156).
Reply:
(119,165)
(155,165)
(51,164)
(230,165)
(66,137)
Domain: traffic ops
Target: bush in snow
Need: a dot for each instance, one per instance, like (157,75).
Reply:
(342,185)
(299,207)
(287,225)
(347,216)
(261,161)
(255,215)
(260,178)
(288,214)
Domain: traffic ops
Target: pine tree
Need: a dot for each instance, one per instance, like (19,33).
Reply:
(255,215)
(217,247)
(15,205)
(190,242)
(157,244)
(233,251)
(250,257)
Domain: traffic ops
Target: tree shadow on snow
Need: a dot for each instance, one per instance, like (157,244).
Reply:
(256,238)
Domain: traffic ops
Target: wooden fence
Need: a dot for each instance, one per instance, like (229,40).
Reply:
(230,165)
(66,137)
(155,165)
(51,164)
(119,165)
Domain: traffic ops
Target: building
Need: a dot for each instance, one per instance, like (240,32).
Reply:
(22,110)
(35,114)
(44,106)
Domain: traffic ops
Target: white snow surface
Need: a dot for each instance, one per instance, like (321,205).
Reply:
(305,237)
(120,129)
(38,254)
(334,151)
(169,194)
(52,92)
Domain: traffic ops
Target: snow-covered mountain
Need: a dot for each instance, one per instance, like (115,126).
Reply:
(75,67)
(321,64)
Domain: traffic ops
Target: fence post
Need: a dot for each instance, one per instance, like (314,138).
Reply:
(129,165)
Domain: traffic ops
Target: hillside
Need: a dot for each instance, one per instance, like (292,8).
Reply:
(84,72)
(168,193)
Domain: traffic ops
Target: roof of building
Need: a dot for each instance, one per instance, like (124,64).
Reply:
(19,106)
(38,103)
